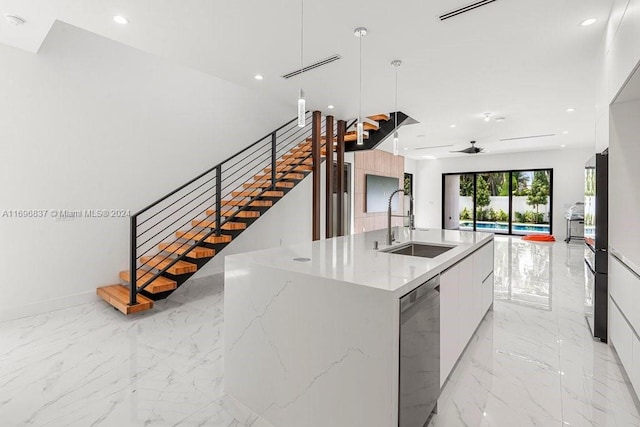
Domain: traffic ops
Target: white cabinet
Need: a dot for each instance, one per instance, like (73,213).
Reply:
(487,294)
(468,309)
(466,293)
(621,336)
(448,321)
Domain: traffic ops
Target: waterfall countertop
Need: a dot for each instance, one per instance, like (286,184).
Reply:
(353,259)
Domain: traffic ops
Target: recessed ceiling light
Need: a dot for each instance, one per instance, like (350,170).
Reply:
(570,110)
(118,19)
(452,126)
(500,119)
(563,145)
(15,20)
(487,117)
(405,148)
(565,132)
(258,77)
(330,107)
(587,22)
(430,157)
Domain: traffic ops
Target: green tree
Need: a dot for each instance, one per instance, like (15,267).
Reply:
(539,191)
(482,197)
(466,185)
(519,180)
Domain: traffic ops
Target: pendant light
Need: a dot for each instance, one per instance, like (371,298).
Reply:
(396,63)
(302,108)
(360,32)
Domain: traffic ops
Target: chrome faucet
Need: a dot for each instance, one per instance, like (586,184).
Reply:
(390,237)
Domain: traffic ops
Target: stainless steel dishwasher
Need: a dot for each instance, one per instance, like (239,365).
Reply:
(419,386)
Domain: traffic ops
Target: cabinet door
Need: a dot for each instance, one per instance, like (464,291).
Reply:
(466,311)
(478,269)
(448,321)
(487,294)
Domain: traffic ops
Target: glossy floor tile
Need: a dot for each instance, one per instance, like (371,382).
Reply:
(532,361)
(92,366)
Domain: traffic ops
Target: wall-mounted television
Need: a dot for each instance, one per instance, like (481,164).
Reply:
(378,190)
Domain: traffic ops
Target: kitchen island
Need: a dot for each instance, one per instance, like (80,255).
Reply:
(313,331)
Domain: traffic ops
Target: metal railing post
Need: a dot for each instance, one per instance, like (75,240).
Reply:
(218,198)
(133,248)
(273,161)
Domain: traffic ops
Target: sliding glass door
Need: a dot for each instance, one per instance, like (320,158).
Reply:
(503,202)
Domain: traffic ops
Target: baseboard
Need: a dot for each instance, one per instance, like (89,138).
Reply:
(46,306)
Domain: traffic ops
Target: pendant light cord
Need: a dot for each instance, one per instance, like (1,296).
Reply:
(360,101)
(301,45)
(396,107)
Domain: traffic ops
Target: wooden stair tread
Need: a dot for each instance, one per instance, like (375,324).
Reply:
(301,168)
(379,117)
(180,248)
(118,296)
(205,223)
(266,184)
(255,193)
(239,214)
(159,284)
(193,235)
(370,126)
(353,136)
(255,203)
(161,261)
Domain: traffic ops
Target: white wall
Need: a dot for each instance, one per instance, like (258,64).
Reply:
(568,180)
(90,123)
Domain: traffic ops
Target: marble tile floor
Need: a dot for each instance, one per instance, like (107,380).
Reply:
(532,361)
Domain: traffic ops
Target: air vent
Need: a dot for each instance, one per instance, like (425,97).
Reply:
(465,9)
(434,146)
(325,61)
(528,137)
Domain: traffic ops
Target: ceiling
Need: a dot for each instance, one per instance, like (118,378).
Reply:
(525,61)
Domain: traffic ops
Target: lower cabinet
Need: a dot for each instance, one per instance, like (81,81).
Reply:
(466,293)
(624,320)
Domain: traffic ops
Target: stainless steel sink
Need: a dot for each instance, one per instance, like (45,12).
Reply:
(419,249)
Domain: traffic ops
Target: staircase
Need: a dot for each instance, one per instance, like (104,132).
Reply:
(176,235)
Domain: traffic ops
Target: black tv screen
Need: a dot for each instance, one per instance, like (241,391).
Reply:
(378,190)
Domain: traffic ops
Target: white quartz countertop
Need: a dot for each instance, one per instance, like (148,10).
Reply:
(352,258)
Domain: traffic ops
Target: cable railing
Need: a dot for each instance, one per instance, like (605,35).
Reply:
(197,211)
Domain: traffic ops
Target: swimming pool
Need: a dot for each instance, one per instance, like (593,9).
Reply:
(518,228)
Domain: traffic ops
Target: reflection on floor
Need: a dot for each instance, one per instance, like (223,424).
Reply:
(531,362)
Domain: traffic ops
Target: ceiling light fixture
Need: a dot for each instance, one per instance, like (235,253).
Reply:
(360,32)
(118,19)
(563,145)
(302,106)
(15,20)
(487,117)
(588,21)
(396,64)
(570,110)
(452,126)
(429,157)
(565,132)
(405,148)
(258,77)
(330,107)
(500,119)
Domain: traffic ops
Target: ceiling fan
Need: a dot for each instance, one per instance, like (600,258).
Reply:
(471,150)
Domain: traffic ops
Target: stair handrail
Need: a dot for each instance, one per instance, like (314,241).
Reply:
(289,138)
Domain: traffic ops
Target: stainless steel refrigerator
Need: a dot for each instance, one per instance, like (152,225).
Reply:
(596,236)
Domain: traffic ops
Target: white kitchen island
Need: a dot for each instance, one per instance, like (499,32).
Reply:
(312,331)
